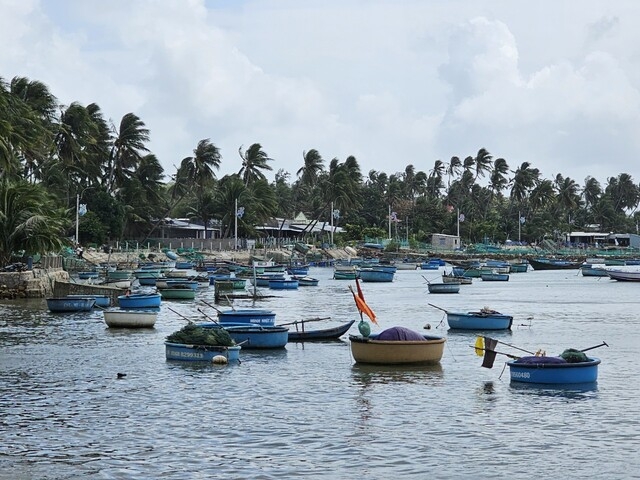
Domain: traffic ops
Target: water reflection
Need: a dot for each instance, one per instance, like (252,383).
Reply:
(365,375)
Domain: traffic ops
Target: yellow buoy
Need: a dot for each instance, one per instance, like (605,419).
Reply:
(479,346)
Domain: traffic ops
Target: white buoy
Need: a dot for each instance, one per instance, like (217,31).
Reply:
(219,360)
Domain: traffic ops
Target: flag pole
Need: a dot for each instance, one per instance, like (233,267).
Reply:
(331,214)
(458,220)
(235,214)
(77,217)
(389,221)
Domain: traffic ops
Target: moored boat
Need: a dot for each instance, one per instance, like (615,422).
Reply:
(139,300)
(591,270)
(376,274)
(482,320)
(130,318)
(495,277)
(255,336)
(200,353)
(70,304)
(451,278)
(453,287)
(247,316)
(333,333)
(553,264)
(283,284)
(395,346)
(624,275)
(102,301)
(177,293)
(306,281)
(553,370)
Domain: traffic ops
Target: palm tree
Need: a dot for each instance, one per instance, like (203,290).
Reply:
(499,181)
(29,220)
(524,179)
(591,191)
(483,162)
(198,170)
(313,166)
(128,148)
(254,160)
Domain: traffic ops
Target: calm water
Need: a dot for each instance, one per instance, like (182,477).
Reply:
(308,411)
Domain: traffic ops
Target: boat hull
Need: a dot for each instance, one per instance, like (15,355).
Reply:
(376,275)
(177,294)
(70,304)
(321,334)
(495,277)
(553,264)
(200,353)
(383,352)
(102,301)
(283,284)
(247,317)
(444,287)
(130,319)
(255,337)
(554,373)
(623,276)
(151,300)
(478,321)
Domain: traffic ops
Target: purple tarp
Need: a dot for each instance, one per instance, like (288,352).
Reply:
(400,334)
(531,360)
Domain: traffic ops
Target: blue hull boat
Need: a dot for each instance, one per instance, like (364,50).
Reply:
(70,304)
(444,288)
(376,275)
(306,281)
(554,373)
(479,321)
(323,334)
(250,337)
(88,275)
(200,353)
(298,270)
(139,300)
(494,277)
(102,301)
(247,317)
(171,255)
(283,284)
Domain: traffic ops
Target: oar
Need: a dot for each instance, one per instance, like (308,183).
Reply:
(212,306)
(179,314)
(494,351)
(603,344)
(435,306)
(212,319)
(305,320)
(513,346)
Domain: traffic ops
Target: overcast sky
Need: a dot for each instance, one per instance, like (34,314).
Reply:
(551,82)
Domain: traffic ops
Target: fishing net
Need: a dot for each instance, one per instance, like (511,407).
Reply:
(571,355)
(192,334)
(400,334)
(538,360)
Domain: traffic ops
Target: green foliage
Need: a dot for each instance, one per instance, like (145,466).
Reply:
(192,334)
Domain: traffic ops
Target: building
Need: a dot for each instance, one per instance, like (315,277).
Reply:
(445,242)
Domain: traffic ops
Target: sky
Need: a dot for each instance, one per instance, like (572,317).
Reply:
(394,83)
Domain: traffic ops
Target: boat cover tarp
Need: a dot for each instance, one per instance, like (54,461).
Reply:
(534,360)
(400,334)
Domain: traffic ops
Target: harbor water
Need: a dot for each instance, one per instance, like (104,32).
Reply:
(308,411)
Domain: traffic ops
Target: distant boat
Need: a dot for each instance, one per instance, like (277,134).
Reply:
(553,264)
(306,281)
(130,318)
(88,275)
(177,293)
(444,287)
(495,277)
(255,336)
(624,276)
(376,274)
(171,255)
(283,284)
(589,270)
(333,333)
(482,320)
(247,316)
(139,300)
(101,300)
(345,272)
(451,278)
(518,267)
(70,304)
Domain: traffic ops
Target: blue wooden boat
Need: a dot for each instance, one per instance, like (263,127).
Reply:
(70,304)
(430,265)
(376,274)
(519,267)
(102,301)
(553,370)
(247,317)
(213,277)
(305,281)
(184,265)
(255,336)
(494,277)
(333,333)
(139,300)
(171,255)
(345,273)
(283,284)
(263,279)
(589,270)
(482,320)
(200,353)
(444,287)
(298,270)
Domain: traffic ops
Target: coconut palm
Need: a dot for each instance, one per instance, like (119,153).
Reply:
(127,150)
(29,220)
(498,180)
(524,179)
(254,160)
(483,162)
(591,191)
(313,166)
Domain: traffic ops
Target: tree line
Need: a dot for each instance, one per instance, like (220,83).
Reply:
(52,156)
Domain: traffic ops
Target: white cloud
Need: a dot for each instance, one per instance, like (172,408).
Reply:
(392,83)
